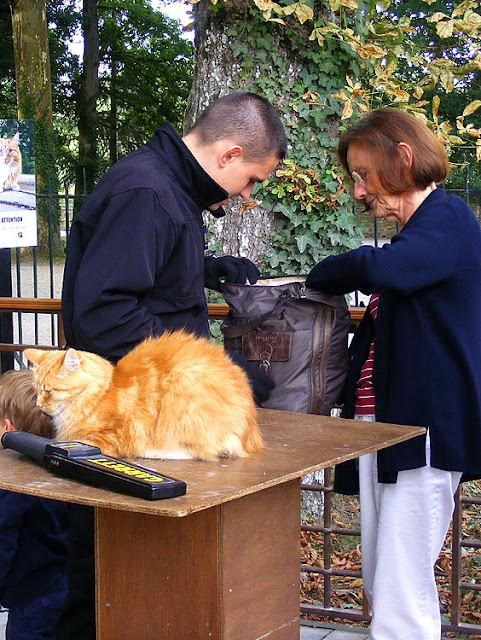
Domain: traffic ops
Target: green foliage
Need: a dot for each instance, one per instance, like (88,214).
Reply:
(314,214)
(456,51)
(146,65)
(145,74)
(8,96)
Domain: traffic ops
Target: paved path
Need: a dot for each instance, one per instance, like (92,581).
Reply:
(332,632)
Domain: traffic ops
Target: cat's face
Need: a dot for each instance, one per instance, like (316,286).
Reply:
(59,378)
(9,151)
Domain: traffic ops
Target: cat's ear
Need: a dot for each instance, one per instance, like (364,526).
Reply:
(16,138)
(35,355)
(71,361)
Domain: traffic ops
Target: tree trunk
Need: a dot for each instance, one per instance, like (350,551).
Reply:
(113,152)
(236,49)
(87,167)
(244,231)
(32,69)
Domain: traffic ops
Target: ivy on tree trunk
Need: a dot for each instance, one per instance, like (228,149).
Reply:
(32,67)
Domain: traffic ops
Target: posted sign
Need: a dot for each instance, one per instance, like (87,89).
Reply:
(18,228)
(18,208)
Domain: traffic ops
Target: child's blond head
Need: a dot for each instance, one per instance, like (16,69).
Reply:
(18,403)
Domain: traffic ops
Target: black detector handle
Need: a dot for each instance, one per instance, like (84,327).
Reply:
(26,443)
(83,462)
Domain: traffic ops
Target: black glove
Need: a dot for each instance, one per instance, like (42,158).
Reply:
(233,270)
(261,382)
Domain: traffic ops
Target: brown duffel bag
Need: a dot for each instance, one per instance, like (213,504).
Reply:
(298,335)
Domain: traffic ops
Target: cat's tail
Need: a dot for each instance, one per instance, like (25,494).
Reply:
(252,439)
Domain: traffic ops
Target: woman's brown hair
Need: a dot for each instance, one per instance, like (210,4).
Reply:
(380,133)
(18,403)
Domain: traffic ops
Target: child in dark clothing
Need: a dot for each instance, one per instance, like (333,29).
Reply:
(33,531)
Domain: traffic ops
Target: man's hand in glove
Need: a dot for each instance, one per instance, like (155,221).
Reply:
(261,382)
(230,269)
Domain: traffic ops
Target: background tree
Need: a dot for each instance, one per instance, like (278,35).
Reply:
(87,117)
(8,96)
(133,73)
(34,101)
(145,75)
(305,213)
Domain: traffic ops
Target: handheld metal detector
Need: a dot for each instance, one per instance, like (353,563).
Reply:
(86,463)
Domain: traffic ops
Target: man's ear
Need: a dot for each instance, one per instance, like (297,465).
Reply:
(8,425)
(229,154)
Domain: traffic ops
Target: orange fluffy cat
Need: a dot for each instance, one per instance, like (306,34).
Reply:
(175,396)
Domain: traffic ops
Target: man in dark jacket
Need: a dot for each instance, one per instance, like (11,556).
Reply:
(135,261)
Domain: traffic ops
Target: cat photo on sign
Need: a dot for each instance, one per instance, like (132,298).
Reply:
(18,215)
(10,163)
(175,396)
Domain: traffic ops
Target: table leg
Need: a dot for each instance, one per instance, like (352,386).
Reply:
(229,572)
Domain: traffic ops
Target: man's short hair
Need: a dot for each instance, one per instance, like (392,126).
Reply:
(18,403)
(249,120)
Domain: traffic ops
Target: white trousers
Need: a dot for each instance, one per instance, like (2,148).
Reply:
(403,527)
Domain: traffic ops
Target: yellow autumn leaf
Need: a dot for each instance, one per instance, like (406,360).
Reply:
(471,21)
(445,28)
(311,96)
(446,128)
(317,35)
(477,61)
(368,51)
(263,5)
(471,108)
(436,17)
(474,133)
(304,12)
(288,9)
(463,7)
(347,110)
(436,103)
(478,150)
(456,140)
(447,79)
(341,95)
(419,105)
(399,95)
(277,8)
(363,107)
(418,92)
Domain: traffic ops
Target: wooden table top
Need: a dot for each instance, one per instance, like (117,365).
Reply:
(296,444)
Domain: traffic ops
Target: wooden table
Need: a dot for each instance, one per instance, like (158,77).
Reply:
(221,562)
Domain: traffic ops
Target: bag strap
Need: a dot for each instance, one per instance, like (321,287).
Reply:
(236,331)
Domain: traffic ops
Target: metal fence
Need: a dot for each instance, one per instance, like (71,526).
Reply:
(30,289)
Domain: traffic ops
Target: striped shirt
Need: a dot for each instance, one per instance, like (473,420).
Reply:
(365,392)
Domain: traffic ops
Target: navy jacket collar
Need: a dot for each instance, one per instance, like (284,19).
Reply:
(187,171)
(434,196)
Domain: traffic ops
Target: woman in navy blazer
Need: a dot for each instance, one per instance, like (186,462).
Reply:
(424,367)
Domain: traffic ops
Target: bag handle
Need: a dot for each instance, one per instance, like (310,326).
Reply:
(236,331)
